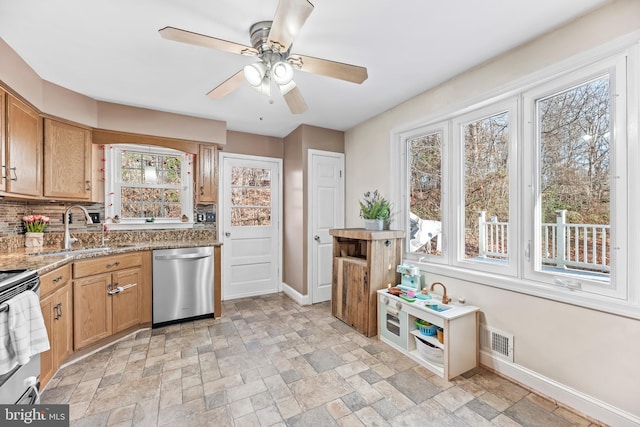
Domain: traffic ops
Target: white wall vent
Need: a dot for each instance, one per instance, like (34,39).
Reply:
(497,343)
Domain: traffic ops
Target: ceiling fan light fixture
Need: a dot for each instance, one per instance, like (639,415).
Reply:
(254,73)
(264,88)
(282,72)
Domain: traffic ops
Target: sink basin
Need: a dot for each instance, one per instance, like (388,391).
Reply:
(437,307)
(71,252)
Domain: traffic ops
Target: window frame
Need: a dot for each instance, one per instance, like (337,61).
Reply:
(626,299)
(510,106)
(113,166)
(444,129)
(616,287)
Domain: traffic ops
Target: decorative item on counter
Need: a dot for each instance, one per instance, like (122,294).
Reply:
(116,219)
(149,219)
(375,210)
(35,226)
(185,218)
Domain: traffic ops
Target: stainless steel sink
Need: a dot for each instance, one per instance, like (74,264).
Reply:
(71,252)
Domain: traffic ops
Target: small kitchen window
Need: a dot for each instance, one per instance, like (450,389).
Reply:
(148,187)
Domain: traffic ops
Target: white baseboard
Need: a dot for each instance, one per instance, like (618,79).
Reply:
(581,402)
(295,295)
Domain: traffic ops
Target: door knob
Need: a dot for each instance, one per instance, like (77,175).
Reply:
(316,238)
(227,234)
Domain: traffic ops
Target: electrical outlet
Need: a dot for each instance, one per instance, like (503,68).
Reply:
(95,217)
(70,218)
(210,217)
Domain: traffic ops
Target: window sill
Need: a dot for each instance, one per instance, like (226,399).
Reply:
(149,225)
(578,298)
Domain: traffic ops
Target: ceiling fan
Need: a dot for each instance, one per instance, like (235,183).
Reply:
(271,42)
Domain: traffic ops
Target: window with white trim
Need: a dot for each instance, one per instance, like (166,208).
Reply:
(148,185)
(534,194)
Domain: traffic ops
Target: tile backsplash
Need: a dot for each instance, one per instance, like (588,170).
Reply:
(12,230)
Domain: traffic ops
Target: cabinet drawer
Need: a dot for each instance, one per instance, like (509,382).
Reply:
(106,264)
(52,280)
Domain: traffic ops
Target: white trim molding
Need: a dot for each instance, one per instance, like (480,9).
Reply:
(563,394)
(295,295)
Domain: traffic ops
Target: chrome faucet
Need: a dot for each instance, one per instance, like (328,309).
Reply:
(68,240)
(445,298)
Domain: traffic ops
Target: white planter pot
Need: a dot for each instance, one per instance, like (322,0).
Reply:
(33,240)
(373,224)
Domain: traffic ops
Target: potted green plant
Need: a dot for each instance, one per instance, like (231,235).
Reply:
(375,210)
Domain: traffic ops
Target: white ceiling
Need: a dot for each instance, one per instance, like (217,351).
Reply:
(110,50)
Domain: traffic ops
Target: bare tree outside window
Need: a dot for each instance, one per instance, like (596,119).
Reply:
(250,197)
(486,187)
(574,134)
(425,188)
(150,185)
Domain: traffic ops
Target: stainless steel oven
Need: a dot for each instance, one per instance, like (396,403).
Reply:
(21,384)
(393,321)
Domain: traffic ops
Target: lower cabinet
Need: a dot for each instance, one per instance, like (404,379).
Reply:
(56,303)
(109,302)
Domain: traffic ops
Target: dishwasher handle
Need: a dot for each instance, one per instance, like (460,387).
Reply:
(186,256)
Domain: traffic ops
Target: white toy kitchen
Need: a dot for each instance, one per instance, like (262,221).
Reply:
(440,334)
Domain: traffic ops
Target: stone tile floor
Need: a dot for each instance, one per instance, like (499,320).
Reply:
(268,361)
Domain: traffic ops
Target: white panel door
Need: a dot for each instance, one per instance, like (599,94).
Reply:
(326,207)
(250,225)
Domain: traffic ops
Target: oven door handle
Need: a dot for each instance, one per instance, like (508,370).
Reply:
(5,307)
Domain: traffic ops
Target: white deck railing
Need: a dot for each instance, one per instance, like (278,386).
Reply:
(581,246)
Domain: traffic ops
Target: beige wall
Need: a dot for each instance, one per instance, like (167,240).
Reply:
(587,351)
(296,146)
(255,145)
(58,101)
(158,123)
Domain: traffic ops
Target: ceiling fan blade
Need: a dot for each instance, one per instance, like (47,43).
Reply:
(228,86)
(324,67)
(293,97)
(189,37)
(290,17)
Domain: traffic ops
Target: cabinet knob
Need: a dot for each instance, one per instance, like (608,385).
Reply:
(316,238)
(88,187)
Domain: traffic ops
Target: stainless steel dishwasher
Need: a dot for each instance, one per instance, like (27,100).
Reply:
(182,284)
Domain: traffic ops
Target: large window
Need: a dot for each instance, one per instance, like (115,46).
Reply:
(534,194)
(148,185)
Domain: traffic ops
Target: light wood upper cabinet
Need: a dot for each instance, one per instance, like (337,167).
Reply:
(22,165)
(67,161)
(207,182)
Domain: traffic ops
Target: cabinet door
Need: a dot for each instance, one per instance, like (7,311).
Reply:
(3,158)
(356,279)
(207,183)
(47,367)
(126,304)
(67,161)
(24,149)
(63,325)
(92,310)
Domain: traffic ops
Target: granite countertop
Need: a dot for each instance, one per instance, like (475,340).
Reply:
(47,258)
